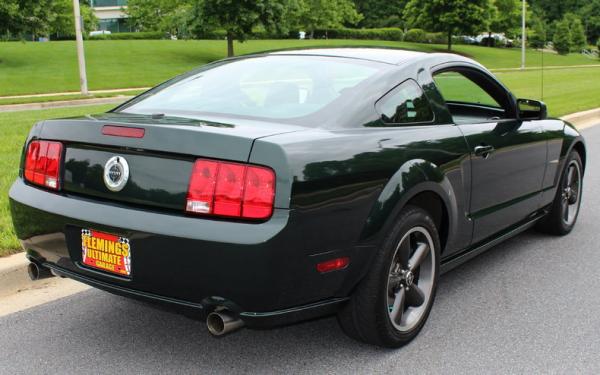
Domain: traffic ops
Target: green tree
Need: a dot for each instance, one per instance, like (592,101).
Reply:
(9,17)
(381,13)
(578,38)
(327,14)
(158,15)
(562,37)
(239,18)
(536,35)
(507,16)
(590,15)
(61,21)
(449,16)
(36,16)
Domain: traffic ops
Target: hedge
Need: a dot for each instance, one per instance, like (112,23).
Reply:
(387,33)
(139,35)
(421,36)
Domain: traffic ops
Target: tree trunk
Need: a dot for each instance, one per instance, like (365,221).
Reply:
(489,41)
(230,44)
(449,40)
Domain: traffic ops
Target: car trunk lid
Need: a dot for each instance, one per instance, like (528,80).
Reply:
(160,162)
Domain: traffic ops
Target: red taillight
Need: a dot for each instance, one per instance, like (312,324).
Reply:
(42,163)
(333,264)
(123,131)
(231,190)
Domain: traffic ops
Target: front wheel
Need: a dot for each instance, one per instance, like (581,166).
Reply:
(565,208)
(392,303)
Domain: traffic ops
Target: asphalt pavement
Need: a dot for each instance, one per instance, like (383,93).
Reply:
(529,305)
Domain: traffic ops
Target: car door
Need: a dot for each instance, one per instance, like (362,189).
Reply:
(508,155)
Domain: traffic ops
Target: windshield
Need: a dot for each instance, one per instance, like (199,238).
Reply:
(269,87)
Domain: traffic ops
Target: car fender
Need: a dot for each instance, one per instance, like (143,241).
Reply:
(572,138)
(413,177)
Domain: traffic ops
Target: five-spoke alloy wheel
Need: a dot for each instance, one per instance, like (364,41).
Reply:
(565,207)
(410,280)
(392,303)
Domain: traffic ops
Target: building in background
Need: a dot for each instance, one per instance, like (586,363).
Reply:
(110,15)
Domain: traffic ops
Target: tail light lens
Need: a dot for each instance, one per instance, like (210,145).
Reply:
(42,163)
(231,190)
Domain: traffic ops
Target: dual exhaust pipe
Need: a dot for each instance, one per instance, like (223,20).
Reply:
(219,323)
(38,272)
(222,322)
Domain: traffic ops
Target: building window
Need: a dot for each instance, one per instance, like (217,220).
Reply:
(114,25)
(108,3)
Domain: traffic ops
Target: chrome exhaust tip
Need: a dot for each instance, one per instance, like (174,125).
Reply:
(222,322)
(37,272)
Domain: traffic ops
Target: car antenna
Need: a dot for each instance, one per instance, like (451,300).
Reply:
(543,47)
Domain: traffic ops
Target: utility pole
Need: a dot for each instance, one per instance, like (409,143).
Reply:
(80,52)
(524,35)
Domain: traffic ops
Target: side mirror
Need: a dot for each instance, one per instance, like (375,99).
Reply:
(532,109)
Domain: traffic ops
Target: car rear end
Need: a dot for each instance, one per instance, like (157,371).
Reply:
(180,195)
(195,225)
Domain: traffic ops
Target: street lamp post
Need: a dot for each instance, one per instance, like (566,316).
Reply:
(524,34)
(80,52)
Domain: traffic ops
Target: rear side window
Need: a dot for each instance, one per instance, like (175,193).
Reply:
(406,104)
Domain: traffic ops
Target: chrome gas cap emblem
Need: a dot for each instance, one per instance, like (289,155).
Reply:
(116,173)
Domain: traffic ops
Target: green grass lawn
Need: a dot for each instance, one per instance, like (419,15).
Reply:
(565,90)
(30,68)
(46,99)
(14,127)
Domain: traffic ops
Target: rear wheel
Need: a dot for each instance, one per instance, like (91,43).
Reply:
(565,208)
(392,303)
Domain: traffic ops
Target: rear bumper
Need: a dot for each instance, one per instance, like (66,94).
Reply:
(251,319)
(260,271)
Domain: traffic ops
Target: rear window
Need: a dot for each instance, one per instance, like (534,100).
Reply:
(271,87)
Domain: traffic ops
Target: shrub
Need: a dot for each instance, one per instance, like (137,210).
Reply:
(578,38)
(436,38)
(124,36)
(562,38)
(416,36)
(387,33)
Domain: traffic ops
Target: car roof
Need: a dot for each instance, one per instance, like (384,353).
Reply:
(384,55)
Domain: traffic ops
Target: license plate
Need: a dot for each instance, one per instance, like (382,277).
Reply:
(106,252)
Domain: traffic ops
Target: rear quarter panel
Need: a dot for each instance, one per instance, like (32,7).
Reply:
(346,186)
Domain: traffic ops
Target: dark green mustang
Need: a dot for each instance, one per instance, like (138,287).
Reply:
(279,187)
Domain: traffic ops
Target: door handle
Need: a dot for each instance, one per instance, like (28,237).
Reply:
(483,150)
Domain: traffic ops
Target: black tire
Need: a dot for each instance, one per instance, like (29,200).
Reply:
(554,222)
(367,316)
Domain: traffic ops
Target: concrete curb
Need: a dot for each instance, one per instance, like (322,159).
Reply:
(584,119)
(63,103)
(13,274)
